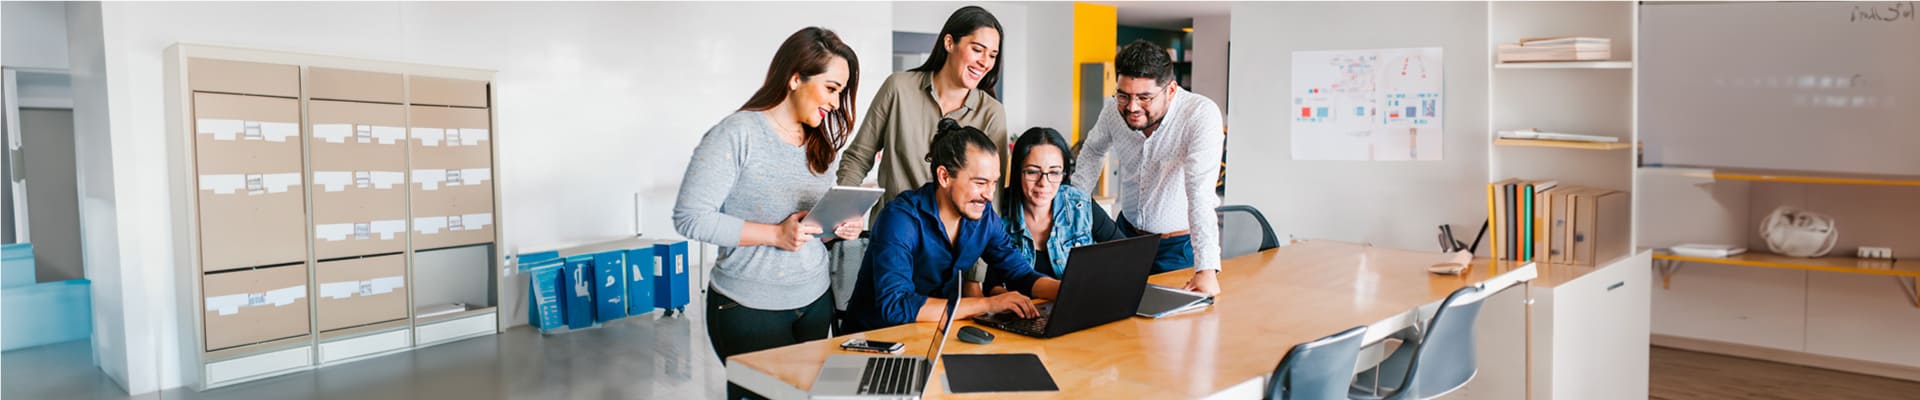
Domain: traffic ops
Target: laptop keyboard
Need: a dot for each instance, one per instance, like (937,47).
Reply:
(1014,323)
(890,375)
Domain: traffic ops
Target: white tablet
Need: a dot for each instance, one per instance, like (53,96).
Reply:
(840,204)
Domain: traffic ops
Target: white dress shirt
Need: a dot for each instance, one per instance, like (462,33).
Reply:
(1166,181)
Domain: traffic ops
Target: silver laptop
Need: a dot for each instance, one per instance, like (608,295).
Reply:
(848,376)
(1161,301)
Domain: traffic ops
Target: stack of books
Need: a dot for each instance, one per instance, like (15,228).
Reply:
(1544,221)
(1571,48)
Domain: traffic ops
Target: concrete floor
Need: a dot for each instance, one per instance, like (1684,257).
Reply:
(634,358)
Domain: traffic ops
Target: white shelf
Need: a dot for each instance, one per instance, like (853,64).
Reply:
(1566,65)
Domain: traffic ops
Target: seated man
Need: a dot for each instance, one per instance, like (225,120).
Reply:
(925,236)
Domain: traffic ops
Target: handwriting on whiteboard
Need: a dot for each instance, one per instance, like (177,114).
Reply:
(1892,12)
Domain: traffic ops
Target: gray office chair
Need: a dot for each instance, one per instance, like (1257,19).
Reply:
(843,271)
(1439,361)
(1243,231)
(1317,370)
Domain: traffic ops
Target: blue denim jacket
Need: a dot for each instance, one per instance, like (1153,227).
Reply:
(908,260)
(1072,227)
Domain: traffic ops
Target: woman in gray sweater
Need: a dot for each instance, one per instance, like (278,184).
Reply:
(747,188)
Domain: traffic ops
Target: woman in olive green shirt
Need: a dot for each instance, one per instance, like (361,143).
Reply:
(956,82)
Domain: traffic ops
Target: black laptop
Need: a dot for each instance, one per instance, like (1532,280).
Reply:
(1103,283)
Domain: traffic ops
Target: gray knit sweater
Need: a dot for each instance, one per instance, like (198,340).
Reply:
(742,171)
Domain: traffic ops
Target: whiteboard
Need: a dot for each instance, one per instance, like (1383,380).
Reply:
(1807,86)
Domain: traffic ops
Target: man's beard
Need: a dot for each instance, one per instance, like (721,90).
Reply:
(1155,123)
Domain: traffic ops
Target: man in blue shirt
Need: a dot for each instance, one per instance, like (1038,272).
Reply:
(924,236)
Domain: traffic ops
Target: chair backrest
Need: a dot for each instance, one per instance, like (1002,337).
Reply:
(1243,230)
(1445,359)
(1320,369)
(843,268)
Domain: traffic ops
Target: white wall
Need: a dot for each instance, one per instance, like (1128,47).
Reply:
(1210,38)
(595,102)
(1394,204)
(123,341)
(1049,95)
(36,34)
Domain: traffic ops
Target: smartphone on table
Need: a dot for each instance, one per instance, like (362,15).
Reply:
(872,346)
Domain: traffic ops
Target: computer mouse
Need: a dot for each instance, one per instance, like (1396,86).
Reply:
(975,335)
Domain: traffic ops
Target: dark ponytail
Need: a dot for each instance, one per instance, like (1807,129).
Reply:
(951,144)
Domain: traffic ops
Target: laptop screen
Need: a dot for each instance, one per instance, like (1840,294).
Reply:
(946,320)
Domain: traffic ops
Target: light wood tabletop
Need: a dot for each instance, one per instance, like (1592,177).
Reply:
(1270,301)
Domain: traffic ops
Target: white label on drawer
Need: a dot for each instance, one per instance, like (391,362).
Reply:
(385,229)
(389,134)
(232,303)
(234,129)
(252,183)
(473,176)
(346,289)
(474,222)
(333,232)
(280,183)
(429,179)
(339,133)
(332,181)
(434,137)
(464,222)
(384,180)
(429,137)
(332,133)
(471,137)
(336,181)
(432,179)
(388,228)
(429,225)
(223,184)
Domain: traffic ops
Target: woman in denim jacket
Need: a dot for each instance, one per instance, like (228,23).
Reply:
(1045,217)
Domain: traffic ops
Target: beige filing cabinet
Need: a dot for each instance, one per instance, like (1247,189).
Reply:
(254,306)
(358,157)
(248,171)
(360,291)
(294,227)
(451,150)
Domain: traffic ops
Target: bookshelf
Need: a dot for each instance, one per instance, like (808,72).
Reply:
(1847,265)
(1905,271)
(1783,176)
(1599,100)
(1562,144)
(1565,65)
(1589,316)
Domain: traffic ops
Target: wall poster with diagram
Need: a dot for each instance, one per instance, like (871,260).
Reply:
(1367,105)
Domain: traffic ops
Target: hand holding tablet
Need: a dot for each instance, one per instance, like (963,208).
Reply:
(841,204)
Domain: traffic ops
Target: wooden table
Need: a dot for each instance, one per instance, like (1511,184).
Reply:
(1270,301)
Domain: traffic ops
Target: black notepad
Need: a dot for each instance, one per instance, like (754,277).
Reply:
(988,373)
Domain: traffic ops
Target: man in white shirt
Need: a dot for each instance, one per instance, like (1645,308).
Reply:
(1167,142)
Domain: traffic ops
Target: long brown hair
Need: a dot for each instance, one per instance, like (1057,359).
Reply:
(808,53)
(963,22)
